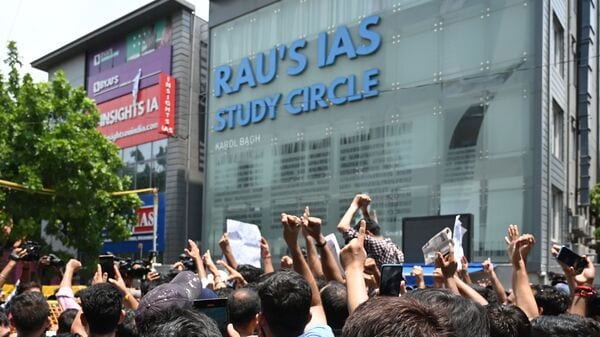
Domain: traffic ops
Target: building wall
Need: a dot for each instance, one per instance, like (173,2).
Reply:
(184,175)
(74,70)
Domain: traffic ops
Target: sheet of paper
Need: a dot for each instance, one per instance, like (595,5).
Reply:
(332,243)
(244,239)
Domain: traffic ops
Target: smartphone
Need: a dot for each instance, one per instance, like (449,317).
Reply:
(391,276)
(215,309)
(572,259)
(438,243)
(107,262)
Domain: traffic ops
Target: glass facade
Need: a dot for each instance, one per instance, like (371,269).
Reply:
(146,164)
(449,131)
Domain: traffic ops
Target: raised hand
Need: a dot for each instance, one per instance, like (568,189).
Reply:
(291,228)
(311,225)
(265,251)
(18,254)
(234,275)
(586,277)
(362,201)
(511,238)
(224,241)
(74,265)
(207,259)
(522,247)
(488,266)
(354,254)
(447,263)
(286,262)
(194,251)
(99,277)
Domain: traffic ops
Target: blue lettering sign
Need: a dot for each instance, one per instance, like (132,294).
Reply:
(300,58)
(260,67)
(371,36)
(341,90)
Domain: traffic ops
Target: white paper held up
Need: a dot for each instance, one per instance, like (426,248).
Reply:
(244,239)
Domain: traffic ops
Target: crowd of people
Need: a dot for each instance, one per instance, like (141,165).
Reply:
(309,295)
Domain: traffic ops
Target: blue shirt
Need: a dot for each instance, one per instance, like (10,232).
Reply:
(318,331)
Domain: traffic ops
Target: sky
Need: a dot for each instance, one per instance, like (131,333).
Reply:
(42,26)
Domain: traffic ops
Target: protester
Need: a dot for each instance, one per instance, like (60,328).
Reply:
(65,321)
(101,312)
(29,314)
(383,250)
(508,321)
(4,324)
(312,296)
(396,316)
(243,307)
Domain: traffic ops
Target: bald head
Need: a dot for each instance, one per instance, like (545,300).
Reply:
(243,306)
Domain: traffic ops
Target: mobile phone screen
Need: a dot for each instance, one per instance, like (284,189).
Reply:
(107,262)
(215,309)
(572,259)
(391,276)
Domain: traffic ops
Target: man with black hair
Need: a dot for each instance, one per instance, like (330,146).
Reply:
(487,293)
(468,318)
(101,311)
(180,322)
(244,306)
(550,301)
(285,299)
(508,321)
(127,327)
(33,286)
(381,249)
(564,325)
(335,302)
(65,320)
(4,324)
(29,314)
(400,317)
(249,272)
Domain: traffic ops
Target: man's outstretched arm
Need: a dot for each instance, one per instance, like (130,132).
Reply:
(291,228)
(360,201)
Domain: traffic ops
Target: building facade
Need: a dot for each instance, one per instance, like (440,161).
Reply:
(143,70)
(432,107)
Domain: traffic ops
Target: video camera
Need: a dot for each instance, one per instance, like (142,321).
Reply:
(55,261)
(188,262)
(137,268)
(33,250)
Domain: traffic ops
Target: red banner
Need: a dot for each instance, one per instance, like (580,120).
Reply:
(145,220)
(167,99)
(129,120)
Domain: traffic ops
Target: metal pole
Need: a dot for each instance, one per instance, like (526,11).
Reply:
(155,191)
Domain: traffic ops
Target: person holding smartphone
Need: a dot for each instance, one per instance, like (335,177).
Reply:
(381,249)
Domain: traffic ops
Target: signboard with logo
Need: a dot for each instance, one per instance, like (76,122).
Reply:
(136,118)
(122,79)
(167,97)
(141,236)
(106,58)
(148,39)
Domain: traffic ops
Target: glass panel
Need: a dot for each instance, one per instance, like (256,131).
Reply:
(129,155)
(159,175)
(159,149)
(143,175)
(144,152)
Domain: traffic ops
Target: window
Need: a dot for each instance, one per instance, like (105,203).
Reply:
(146,164)
(559,46)
(557,130)
(557,214)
